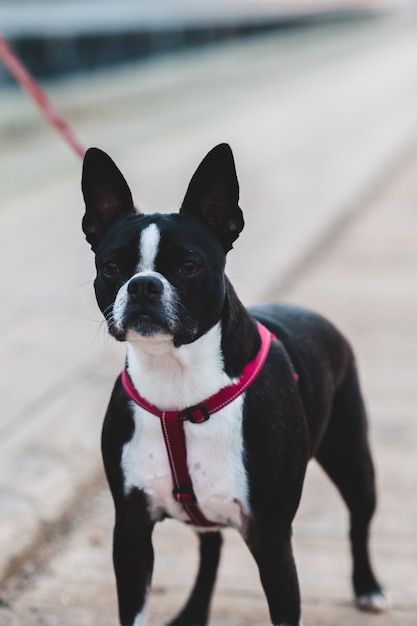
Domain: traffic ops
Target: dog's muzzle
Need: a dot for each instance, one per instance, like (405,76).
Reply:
(146,305)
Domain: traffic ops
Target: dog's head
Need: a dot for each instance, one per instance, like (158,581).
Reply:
(161,274)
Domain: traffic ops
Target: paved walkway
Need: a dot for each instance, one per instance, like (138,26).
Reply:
(325,116)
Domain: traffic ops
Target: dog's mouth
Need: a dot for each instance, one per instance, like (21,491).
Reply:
(146,324)
(142,321)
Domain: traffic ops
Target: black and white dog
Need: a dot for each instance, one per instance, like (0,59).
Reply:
(280,400)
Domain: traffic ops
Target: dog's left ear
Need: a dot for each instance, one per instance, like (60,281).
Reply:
(213,195)
(106,194)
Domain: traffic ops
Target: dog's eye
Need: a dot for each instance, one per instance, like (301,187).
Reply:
(188,268)
(110,269)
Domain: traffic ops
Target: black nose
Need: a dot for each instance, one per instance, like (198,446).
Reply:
(145,288)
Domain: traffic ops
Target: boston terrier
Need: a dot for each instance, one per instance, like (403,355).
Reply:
(219,408)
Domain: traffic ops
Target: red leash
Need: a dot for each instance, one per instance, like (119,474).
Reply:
(29,84)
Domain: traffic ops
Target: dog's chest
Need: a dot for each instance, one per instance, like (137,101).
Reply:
(215,459)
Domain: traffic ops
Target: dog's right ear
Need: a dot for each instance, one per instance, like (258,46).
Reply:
(106,194)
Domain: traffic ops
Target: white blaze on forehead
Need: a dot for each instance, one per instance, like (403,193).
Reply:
(148,248)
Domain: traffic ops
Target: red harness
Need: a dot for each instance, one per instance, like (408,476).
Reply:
(172,424)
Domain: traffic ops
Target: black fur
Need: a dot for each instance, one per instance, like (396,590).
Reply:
(285,422)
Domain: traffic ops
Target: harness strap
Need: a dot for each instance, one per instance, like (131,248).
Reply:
(172,426)
(183,492)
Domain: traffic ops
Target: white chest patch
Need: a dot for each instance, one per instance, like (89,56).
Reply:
(175,378)
(215,455)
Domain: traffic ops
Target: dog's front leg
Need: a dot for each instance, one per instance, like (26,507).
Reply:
(133,559)
(272,551)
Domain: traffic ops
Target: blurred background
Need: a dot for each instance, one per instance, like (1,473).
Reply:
(318,99)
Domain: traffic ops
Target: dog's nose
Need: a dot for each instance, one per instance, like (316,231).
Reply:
(145,288)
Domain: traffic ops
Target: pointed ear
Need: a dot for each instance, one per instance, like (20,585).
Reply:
(213,195)
(106,195)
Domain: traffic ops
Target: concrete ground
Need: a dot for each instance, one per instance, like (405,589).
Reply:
(324,129)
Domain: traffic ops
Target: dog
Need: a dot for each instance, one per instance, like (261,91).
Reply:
(220,408)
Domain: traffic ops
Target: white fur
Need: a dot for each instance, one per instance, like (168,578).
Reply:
(148,248)
(142,618)
(215,462)
(175,378)
(119,306)
(376,602)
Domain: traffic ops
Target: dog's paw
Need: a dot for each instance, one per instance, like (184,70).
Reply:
(374,602)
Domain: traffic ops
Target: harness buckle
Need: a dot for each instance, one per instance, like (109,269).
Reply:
(197,414)
(183,495)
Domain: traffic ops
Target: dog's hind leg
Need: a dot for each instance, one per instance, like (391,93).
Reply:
(345,456)
(196,610)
